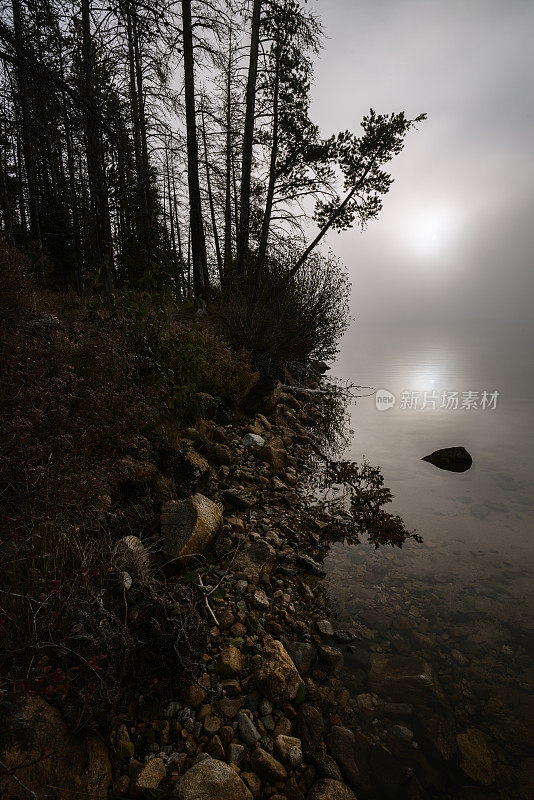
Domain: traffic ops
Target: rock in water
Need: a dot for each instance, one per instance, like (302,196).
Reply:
(475,756)
(75,765)
(454,459)
(189,526)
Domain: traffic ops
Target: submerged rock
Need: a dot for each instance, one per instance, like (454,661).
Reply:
(475,756)
(454,459)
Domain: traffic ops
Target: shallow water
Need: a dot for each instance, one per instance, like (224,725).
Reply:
(464,598)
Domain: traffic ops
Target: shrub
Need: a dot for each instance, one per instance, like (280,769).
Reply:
(291,320)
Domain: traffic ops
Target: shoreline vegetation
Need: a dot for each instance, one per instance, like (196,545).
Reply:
(163,626)
(161,548)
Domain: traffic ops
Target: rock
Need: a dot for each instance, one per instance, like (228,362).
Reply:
(331,656)
(310,728)
(211,780)
(131,556)
(303,655)
(247,730)
(132,473)
(253,440)
(263,396)
(196,695)
(310,565)
(189,526)
(231,662)
(215,748)
(149,778)
(236,753)
(190,469)
(475,756)
(405,679)
(326,766)
(389,774)
(402,733)
(398,710)
(341,743)
(275,455)
(454,459)
(258,557)
(230,708)
(223,455)
(253,782)
(328,789)
(324,627)
(267,767)
(289,750)
(260,599)
(240,498)
(276,676)
(76,764)
(358,656)
(212,724)
(438,733)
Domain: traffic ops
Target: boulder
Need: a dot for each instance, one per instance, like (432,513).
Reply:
(288,749)
(211,780)
(310,728)
(255,559)
(189,526)
(303,655)
(253,440)
(267,767)
(276,676)
(131,556)
(453,459)
(328,789)
(341,744)
(475,756)
(231,662)
(240,498)
(275,454)
(405,679)
(148,778)
(57,761)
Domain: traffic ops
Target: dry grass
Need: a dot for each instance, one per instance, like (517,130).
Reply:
(81,384)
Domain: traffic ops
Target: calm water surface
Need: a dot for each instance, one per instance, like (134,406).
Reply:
(464,599)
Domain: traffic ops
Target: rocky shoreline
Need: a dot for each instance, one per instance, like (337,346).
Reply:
(283,703)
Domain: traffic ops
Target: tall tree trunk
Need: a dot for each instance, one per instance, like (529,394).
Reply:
(266,223)
(227,270)
(212,205)
(136,129)
(20,184)
(27,133)
(248,141)
(148,210)
(198,241)
(95,159)
(7,212)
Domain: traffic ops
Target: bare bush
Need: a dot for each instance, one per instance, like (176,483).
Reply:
(290,319)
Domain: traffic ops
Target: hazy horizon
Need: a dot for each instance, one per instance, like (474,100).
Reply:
(453,239)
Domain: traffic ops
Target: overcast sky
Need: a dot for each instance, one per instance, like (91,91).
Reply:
(456,234)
